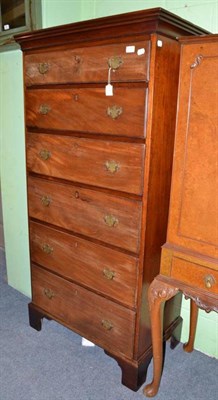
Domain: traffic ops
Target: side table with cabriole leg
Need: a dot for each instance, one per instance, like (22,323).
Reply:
(189,262)
(161,290)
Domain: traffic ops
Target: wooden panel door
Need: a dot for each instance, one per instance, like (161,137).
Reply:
(193,212)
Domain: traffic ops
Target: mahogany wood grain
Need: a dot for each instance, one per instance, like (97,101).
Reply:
(87,64)
(88,212)
(85,109)
(89,314)
(104,270)
(88,161)
(75,105)
(157,178)
(133,372)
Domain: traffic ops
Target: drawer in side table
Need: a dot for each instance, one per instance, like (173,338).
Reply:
(195,274)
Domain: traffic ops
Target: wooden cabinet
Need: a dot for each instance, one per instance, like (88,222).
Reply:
(99,173)
(189,260)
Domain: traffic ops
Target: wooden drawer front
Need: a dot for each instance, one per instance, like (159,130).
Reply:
(88,110)
(87,64)
(100,268)
(102,321)
(111,219)
(107,164)
(195,275)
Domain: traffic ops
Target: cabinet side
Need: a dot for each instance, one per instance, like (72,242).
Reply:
(163,86)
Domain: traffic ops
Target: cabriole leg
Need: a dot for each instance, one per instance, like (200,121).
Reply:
(189,346)
(158,293)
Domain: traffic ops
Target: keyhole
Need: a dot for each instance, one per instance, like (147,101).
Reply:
(77,59)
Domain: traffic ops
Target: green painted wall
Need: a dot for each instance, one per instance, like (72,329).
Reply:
(13,170)
(12,155)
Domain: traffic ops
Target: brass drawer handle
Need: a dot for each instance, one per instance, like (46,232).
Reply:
(114,112)
(47,248)
(110,220)
(48,293)
(107,324)
(44,109)
(43,68)
(115,62)
(46,201)
(112,166)
(44,154)
(209,281)
(109,274)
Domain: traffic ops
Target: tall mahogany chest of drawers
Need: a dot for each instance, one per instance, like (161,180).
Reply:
(100,107)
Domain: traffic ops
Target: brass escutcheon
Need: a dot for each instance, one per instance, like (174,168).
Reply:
(46,201)
(109,274)
(112,166)
(209,281)
(44,109)
(114,111)
(47,248)
(44,154)
(43,68)
(49,293)
(107,324)
(115,62)
(110,220)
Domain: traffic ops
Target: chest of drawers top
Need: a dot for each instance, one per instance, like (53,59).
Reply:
(137,24)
